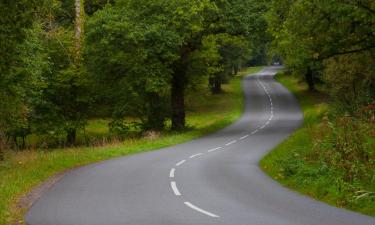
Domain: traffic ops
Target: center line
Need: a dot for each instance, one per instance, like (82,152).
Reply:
(255,131)
(200,210)
(175,189)
(171,174)
(196,155)
(181,162)
(212,150)
(246,136)
(232,142)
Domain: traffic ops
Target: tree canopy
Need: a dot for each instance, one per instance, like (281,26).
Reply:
(63,60)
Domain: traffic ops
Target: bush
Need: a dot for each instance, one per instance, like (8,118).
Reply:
(351,80)
(347,149)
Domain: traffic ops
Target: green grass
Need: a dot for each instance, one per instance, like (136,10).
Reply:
(22,171)
(296,164)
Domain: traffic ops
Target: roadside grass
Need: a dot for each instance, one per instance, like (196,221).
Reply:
(24,170)
(298,163)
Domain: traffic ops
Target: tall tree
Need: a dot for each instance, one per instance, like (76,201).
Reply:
(189,24)
(16,17)
(79,23)
(59,106)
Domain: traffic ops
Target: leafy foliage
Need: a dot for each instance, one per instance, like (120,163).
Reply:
(15,17)
(308,32)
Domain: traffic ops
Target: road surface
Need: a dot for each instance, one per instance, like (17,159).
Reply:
(211,180)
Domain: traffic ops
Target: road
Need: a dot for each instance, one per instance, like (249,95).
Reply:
(212,180)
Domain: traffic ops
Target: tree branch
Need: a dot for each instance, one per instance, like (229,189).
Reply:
(346,52)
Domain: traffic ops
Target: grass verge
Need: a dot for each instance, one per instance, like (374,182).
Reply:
(25,170)
(310,162)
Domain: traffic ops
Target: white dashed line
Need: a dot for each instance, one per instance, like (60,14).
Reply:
(173,170)
(196,155)
(214,149)
(201,210)
(230,143)
(181,162)
(175,189)
(246,136)
(171,173)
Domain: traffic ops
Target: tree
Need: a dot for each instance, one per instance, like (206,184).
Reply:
(61,98)
(16,16)
(231,51)
(150,70)
(174,36)
(308,32)
(240,28)
(122,55)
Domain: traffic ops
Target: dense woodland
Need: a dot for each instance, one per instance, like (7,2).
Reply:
(63,62)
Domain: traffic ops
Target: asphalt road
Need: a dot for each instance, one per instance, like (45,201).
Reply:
(211,180)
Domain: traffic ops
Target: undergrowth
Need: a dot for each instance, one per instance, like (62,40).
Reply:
(332,157)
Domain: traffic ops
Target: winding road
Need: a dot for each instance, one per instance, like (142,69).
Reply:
(211,180)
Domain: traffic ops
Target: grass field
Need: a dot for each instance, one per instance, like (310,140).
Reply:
(24,170)
(300,164)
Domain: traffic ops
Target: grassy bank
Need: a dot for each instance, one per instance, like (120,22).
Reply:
(22,171)
(312,162)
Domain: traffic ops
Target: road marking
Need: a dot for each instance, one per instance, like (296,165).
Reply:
(214,149)
(181,162)
(201,210)
(196,155)
(230,143)
(175,189)
(171,174)
(246,136)
(173,170)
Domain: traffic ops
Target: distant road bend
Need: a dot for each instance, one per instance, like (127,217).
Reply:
(211,180)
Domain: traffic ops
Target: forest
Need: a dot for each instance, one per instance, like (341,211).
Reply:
(64,62)
(131,65)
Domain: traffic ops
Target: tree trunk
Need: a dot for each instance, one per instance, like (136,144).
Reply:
(310,79)
(216,87)
(178,100)
(71,137)
(78,27)
(235,69)
(78,34)
(2,144)
(156,113)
